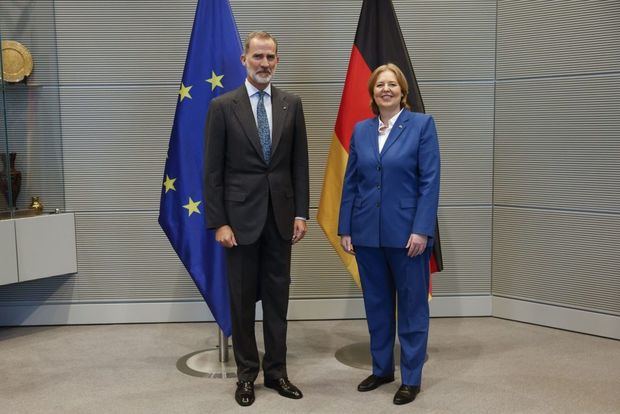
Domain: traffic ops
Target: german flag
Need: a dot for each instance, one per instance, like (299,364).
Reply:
(378,40)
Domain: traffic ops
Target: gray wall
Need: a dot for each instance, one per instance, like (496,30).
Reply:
(120,64)
(556,222)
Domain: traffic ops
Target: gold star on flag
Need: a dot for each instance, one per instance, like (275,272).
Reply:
(192,206)
(184,92)
(169,183)
(215,80)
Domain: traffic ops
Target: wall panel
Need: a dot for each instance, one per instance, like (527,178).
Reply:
(115,141)
(463,113)
(114,40)
(123,256)
(466,244)
(569,259)
(122,42)
(128,132)
(556,143)
(551,38)
(449,40)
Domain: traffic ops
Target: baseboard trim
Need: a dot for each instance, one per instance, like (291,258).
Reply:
(448,306)
(592,323)
(16,314)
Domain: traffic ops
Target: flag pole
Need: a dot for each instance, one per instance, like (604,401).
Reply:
(212,68)
(378,40)
(213,362)
(223,344)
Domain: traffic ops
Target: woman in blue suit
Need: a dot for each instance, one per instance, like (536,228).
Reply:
(388,211)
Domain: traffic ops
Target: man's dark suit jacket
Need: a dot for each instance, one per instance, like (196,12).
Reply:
(238,181)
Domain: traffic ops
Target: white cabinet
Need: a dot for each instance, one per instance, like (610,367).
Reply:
(37,247)
(8,252)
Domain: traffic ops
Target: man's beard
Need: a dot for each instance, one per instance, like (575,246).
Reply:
(261,78)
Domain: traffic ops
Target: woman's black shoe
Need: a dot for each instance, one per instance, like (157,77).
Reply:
(373,382)
(406,394)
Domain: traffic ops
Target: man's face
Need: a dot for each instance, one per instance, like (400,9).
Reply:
(260,62)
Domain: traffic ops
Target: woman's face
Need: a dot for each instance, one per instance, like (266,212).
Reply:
(387,93)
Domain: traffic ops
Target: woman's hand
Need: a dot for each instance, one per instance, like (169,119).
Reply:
(416,244)
(345,242)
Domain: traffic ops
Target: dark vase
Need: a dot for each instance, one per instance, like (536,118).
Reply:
(16,179)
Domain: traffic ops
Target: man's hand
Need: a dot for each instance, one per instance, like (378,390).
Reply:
(345,242)
(225,236)
(299,230)
(416,244)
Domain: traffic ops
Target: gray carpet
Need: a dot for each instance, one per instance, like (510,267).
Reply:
(476,365)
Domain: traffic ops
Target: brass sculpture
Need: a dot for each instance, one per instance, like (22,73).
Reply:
(16,61)
(36,205)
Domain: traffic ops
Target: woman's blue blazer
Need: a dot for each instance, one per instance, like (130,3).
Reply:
(389,195)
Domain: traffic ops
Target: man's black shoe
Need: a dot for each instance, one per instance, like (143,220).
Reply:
(284,387)
(245,393)
(406,394)
(373,382)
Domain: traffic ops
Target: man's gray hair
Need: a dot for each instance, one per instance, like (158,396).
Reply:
(258,35)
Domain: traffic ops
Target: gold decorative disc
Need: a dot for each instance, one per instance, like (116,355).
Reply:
(16,61)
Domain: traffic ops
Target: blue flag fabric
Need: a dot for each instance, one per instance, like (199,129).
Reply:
(212,67)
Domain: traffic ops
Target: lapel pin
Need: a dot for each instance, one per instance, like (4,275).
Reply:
(401,126)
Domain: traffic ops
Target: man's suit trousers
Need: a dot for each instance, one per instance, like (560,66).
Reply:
(260,270)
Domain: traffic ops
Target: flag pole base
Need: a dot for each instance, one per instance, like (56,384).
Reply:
(357,355)
(206,363)
(210,363)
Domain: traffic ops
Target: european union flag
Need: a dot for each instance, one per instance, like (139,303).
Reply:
(212,67)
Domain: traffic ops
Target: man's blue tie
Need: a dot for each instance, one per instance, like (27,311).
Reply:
(263,126)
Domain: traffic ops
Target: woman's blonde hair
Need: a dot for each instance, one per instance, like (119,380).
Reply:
(400,78)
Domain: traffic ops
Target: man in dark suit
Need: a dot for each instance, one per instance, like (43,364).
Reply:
(257,187)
